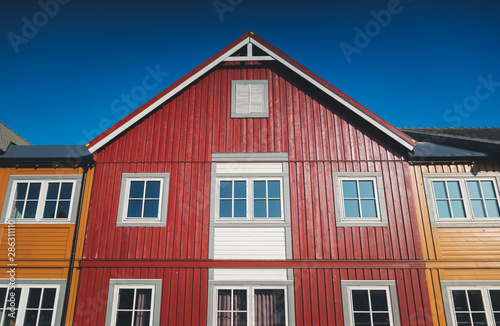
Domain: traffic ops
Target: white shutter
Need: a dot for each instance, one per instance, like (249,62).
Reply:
(242,98)
(249,99)
(256,98)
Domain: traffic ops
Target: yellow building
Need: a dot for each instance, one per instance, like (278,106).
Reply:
(456,178)
(43,190)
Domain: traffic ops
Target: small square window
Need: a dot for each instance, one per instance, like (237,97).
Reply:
(461,200)
(133,302)
(143,199)
(41,198)
(359,199)
(370,303)
(249,99)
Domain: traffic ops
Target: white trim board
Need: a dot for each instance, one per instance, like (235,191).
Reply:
(167,96)
(336,97)
(222,58)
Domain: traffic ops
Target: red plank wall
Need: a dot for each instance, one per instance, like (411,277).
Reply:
(183,300)
(318,298)
(180,137)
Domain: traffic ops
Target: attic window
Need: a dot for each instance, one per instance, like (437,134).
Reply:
(249,99)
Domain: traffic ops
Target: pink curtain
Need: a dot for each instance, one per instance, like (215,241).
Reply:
(270,308)
(224,303)
(142,316)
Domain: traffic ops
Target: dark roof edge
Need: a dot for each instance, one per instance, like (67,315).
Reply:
(457,141)
(48,163)
(447,159)
(46,156)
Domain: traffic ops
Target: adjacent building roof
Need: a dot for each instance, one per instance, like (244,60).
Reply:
(8,136)
(480,134)
(67,155)
(250,40)
(455,143)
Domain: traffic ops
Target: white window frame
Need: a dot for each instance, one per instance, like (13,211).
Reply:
(272,166)
(250,299)
(462,178)
(249,199)
(265,99)
(341,219)
(127,179)
(484,286)
(116,284)
(388,286)
(59,285)
(14,180)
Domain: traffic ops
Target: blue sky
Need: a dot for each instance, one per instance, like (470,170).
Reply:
(67,69)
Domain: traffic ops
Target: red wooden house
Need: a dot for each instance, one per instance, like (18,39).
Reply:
(252,192)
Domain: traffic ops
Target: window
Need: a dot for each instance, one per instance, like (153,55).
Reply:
(143,199)
(460,199)
(359,199)
(133,302)
(250,297)
(31,304)
(249,206)
(370,303)
(249,99)
(240,306)
(42,198)
(250,198)
(472,304)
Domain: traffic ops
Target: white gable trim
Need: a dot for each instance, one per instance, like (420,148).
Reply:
(336,97)
(222,58)
(167,96)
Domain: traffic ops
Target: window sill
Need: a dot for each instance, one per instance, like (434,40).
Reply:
(491,223)
(361,223)
(251,224)
(24,221)
(155,223)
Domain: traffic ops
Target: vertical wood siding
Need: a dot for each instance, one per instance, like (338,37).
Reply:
(318,299)
(183,294)
(319,136)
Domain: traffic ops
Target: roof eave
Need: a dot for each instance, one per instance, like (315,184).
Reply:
(47,162)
